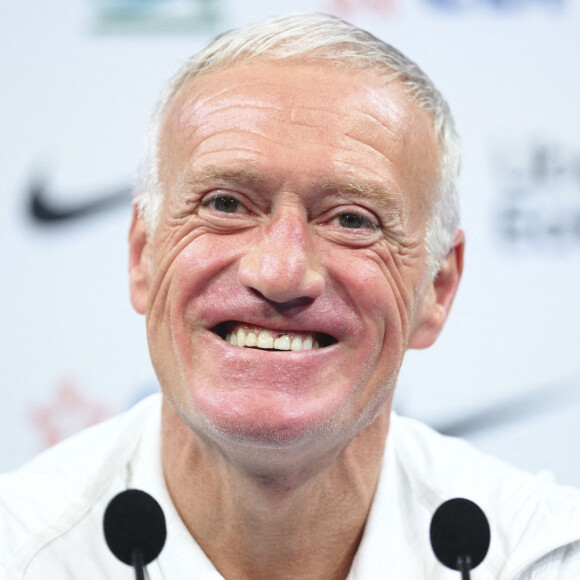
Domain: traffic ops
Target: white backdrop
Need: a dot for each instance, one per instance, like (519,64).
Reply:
(79,79)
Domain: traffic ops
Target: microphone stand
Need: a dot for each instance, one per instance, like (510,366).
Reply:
(137,563)
(464,566)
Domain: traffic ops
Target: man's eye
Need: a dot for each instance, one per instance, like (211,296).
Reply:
(355,221)
(225,204)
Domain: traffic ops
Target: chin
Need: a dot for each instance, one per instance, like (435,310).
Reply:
(246,420)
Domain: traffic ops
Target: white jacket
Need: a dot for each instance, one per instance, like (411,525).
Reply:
(51,510)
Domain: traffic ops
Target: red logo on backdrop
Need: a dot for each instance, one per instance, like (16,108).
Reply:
(346,8)
(68,411)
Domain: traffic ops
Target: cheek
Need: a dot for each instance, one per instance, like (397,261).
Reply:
(190,278)
(373,283)
(180,275)
(198,260)
(206,270)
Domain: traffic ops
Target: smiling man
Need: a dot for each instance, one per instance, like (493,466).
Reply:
(295,233)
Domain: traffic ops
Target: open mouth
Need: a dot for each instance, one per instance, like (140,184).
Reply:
(247,336)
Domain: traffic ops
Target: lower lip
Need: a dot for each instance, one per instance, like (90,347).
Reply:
(252,370)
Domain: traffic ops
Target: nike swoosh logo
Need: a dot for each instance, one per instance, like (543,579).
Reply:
(42,208)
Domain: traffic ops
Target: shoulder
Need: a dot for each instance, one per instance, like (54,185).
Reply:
(530,516)
(48,496)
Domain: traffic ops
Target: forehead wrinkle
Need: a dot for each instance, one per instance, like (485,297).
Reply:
(192,104)
(199,118)
(396,120)
(199,100)
(371,147)
(192,113)
(243,106)
(299,145)
(306,112)
(296,116)
(206,95)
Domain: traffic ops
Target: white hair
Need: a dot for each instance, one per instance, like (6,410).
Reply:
(316,38)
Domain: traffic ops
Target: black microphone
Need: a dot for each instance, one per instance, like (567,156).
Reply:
(134,527)
(460,535)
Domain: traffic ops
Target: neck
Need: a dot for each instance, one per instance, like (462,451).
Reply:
(303,520)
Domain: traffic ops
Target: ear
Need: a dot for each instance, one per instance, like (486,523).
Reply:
(139,262)
(438,297)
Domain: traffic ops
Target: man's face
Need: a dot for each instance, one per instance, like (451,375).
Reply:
(295,205)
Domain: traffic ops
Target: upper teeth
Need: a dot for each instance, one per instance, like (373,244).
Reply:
(265,339)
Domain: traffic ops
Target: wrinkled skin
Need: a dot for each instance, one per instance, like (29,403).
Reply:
(296,200)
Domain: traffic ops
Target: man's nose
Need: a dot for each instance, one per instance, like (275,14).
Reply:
(283,265)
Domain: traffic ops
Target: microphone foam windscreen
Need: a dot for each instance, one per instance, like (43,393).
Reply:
(459,528)
(134,521)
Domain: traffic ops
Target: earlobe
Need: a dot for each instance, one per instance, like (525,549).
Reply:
(139,262)
(438,297)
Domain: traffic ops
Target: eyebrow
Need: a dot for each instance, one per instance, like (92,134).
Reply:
(214,174)
(370,190)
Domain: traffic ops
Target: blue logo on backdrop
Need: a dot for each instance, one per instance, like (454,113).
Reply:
(456,5)
(539,205)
